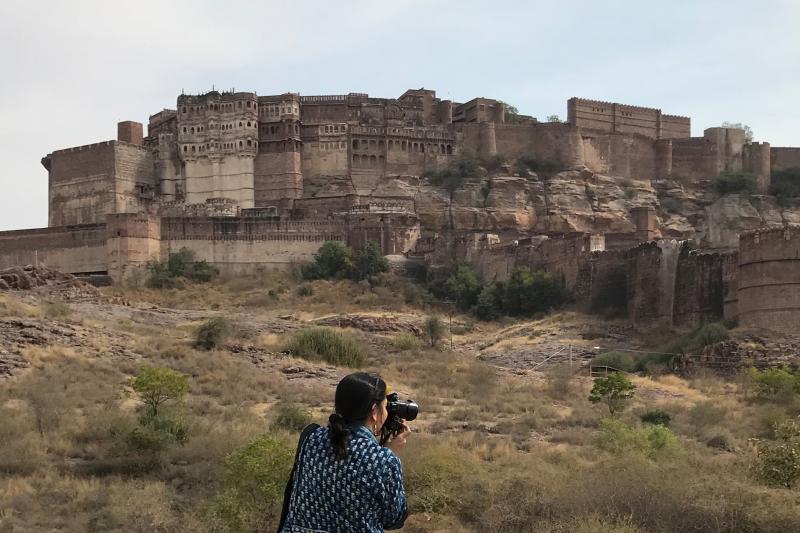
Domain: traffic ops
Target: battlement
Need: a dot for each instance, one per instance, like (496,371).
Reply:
(327,99)
(94,146)
(614,117)
(770,233)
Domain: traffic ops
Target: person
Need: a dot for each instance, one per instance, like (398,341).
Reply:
(344,480)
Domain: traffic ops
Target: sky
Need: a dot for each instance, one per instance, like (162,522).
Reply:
(69,71)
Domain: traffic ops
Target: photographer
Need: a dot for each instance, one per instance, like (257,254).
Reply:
(344,480)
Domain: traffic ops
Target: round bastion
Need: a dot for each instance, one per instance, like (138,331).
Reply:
(769,279)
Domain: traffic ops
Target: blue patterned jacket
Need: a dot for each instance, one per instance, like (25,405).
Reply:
(362,492)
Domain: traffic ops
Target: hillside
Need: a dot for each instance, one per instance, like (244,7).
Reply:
(506,439)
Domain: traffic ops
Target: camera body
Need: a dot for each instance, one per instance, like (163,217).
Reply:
(398,412)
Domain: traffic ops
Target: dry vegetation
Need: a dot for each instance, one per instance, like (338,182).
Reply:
(494,450)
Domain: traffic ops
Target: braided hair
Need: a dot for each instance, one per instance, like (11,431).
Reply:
(356,394)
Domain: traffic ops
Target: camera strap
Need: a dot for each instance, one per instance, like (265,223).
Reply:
(287,493)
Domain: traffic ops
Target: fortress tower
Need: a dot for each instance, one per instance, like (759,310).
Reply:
(278,170)
(217,146)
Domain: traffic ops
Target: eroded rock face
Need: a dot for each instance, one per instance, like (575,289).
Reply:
(580,200)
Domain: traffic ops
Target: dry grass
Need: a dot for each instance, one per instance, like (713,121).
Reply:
(492,450)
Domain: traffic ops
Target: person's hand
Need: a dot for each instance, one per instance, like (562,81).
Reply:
(398,442)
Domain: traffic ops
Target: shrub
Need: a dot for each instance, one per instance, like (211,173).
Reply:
(212,333)
(735,182)
(620,360)
(529,292)
(305,290)
(531,163)
(157,385)
(721,441)
(656,417)
(785,183)
(434,330)
(653,441)
(775,384)
(435,477)
(56,310)
(709,334)
(406,341)
(369,262)
(332,260)
(706,414)
(489,305)
(179,265)
(329,345)
(464,169)
(778,462)
(614,391)
(291,417)
(252,489)
(463,286)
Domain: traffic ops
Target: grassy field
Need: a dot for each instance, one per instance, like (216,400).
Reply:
(494,449)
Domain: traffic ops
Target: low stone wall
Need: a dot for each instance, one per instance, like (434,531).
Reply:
(69,249)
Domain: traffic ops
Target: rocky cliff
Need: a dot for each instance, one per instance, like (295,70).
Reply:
(579,200)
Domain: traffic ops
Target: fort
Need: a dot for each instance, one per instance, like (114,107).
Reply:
(249,181)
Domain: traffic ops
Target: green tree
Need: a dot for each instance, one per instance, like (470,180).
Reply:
(532,292)
(252,486)
(369,262)
(553,118)
(332,260)
(614,391)
(156,385)
(490,301)
(463,286)
(434,330)
(778,461)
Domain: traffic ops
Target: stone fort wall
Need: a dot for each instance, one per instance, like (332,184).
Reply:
(768,285)
(612,117)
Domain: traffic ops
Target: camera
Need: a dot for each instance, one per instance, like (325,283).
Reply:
(398,411)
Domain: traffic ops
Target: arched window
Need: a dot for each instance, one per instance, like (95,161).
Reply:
(403,146)
(184,129)
(449,149)
(191,130)
(249,142)
(441,148)
(373,161)
(355,145)
(240,124)
(240,144)
(185,149)
(422,148)
(184,109)
(193,149)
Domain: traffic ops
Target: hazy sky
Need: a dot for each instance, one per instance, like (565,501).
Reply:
(72,70)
